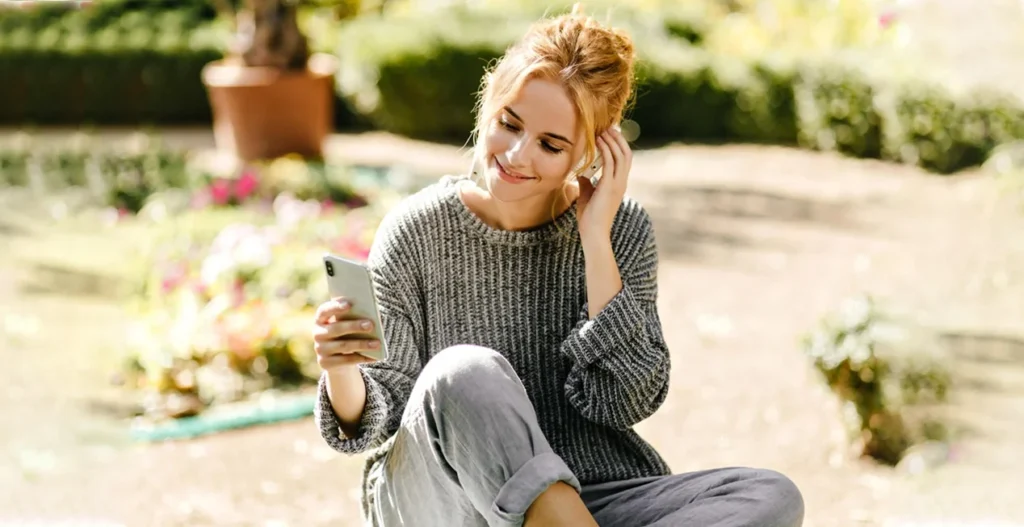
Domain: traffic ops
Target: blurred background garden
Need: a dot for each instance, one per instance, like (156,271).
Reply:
(837,188)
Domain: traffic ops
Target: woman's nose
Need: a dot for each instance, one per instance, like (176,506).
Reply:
(518,152)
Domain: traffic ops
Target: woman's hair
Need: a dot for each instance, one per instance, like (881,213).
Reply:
(592,62)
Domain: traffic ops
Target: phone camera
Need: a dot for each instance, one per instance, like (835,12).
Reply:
(330,269)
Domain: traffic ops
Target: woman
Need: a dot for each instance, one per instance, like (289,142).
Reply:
(519,309)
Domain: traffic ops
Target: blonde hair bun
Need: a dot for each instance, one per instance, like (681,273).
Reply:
(594,62)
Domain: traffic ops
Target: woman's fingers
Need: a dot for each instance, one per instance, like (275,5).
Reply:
(325,332)
(607,159)
(625,152)
(345,346)
(615,148)
(334,361)
(336,308)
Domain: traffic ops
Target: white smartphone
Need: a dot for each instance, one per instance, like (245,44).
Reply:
(593,172)
(352,280)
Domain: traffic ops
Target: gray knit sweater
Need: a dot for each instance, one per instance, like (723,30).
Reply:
(444,277)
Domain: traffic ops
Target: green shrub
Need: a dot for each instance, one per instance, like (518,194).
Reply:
(928,126)
(116,62)
(87,66)
(123,177)
(889,373)
(836,111)
(418,75)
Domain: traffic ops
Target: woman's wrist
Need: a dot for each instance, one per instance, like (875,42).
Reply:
(596,244)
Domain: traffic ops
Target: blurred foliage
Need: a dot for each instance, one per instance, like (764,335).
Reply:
(121,177)
(142,173)
(224,302)
(117,62)
(1007,165)
(732,27)
(417,73)
(891,374)
(105,65)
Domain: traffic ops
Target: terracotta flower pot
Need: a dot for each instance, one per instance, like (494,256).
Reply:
(263,113)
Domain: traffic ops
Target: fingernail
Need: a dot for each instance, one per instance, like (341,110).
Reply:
(366,324)
(343,304)
(374,344)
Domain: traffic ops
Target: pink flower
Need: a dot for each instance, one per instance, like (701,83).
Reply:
(887,19)
(246,185)
(201,200)
(352,247)
(220,190)
(175,277)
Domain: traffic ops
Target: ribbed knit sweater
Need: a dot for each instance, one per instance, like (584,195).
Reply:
(443,277)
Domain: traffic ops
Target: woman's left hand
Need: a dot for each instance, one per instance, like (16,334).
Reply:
(598,205)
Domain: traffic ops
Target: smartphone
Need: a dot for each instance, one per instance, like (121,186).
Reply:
(352,280)
(593,172)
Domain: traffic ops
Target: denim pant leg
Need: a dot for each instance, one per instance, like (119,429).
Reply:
(469,450)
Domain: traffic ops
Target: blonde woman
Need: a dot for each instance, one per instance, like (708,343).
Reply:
(519,308)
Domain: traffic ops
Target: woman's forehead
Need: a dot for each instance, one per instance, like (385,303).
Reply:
(545,108)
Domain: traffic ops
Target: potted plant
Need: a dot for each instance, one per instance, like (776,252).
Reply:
(269,96)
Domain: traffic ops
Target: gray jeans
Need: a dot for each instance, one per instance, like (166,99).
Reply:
(469,452)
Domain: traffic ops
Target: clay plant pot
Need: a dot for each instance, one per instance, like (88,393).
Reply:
(264,113)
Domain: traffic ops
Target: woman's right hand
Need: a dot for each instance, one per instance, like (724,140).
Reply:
(336,347)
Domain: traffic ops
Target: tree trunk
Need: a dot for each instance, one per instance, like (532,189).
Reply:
(268,35)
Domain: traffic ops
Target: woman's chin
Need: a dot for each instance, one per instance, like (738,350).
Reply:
(503,191)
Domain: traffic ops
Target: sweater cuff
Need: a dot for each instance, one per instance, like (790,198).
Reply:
(614,328)
(371,426)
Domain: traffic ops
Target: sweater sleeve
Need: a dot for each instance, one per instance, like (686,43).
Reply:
(620,362)
(388,382)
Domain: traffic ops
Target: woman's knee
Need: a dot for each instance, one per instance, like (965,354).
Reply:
(781,502)
(467,375)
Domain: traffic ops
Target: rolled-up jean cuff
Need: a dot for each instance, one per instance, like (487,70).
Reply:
(533,478)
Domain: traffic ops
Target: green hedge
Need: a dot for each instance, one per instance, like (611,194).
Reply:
(117,62)
(418,75)
(104,66)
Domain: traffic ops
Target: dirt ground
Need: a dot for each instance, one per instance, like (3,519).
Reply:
(756,243)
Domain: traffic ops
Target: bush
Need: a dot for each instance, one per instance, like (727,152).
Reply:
(836,111)
(418,74)
(890,374)
(944,132)
(99,66)
(129,177)
(122,177)
(115,62)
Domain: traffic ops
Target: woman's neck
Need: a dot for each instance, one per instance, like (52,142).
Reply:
(520,215)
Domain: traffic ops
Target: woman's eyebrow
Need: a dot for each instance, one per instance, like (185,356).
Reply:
(549,134)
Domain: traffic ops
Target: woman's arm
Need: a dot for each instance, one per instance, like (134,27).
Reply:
(346,390)
(602,272)
(620,362)
(360,407)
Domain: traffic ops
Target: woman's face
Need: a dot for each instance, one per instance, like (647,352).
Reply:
(533,143)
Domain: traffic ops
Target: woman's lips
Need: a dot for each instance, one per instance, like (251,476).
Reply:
(509,176)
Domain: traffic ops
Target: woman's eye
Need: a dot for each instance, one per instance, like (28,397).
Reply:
(508,126)
(550,148)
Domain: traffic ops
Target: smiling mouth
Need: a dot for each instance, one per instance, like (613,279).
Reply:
(510,174)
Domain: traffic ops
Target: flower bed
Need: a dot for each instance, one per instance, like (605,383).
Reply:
(225,312)
(129,176)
